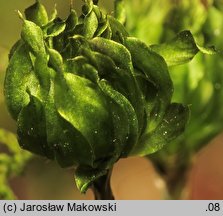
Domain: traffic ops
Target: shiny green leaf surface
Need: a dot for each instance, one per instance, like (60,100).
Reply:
(172,125)
(33,37)
(84,177)
(91,113)
(180,49)
(90,25)
(19,77)
(85,94)
(56,29)
(37,14)
(152,67)
(31,127)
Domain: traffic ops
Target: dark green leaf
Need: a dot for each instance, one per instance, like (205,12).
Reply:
(71,21)
(32,128)
(152,67)
(121,76)
(85,176)
(37,14)
(102,26)
(118,30)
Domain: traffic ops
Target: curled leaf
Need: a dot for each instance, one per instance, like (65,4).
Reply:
(153,68)
(180,49)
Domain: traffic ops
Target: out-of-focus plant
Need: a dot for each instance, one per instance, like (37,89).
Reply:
(12,162)
(85,93)
(198,83)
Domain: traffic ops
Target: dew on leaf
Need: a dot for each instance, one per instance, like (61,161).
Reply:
(164,133)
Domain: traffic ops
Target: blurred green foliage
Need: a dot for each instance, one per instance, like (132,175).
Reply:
(198,83)
(12,162)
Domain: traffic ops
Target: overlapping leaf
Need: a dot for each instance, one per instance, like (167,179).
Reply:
(84,93)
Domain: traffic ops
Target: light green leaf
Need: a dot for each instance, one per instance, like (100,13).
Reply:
(87,7)
(53,14)
(80,102)
(90,25)
(114,50)
(121,93)
(66,144)
(120,13)
(124,120)
(107,33)
(55,60)
(14,48)
(56,29)
(102,27)
(181,49)
(172,125)
(43,72)
(33,36)
(19,77)
(10,140)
